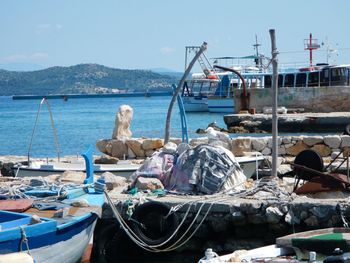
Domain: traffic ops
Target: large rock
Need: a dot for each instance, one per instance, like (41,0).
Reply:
(122,123)
(152,144)
(266,151)
(322,149)
(273,215)
(269,142)
(258,144)
(112,180)
(144,183)
(333,141)
(117,148)
(73,176)
(241,145)
(170,148)
(135,145)
(345,141)
(286,140)
(297,148)
(101,145)
(105,159)
(312,140)
(149,153)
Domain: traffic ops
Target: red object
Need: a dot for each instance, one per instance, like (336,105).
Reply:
(212,77)
(311,44)
(87,254)
(16,205)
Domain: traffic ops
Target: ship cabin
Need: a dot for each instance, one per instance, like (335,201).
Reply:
(320,75)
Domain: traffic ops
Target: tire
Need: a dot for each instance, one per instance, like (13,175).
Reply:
(347,130)
(105,236)
(151,226)
(310,159)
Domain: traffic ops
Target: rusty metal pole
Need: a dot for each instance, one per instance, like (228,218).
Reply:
(274,53)
(179,87)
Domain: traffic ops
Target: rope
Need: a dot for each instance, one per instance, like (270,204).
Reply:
(342,216)
(52,126)
(175,245)
(24,240)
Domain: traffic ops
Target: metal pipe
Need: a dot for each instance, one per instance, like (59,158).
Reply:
(245,103)
(179,87)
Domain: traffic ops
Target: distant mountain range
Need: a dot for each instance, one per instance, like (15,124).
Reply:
(83,79)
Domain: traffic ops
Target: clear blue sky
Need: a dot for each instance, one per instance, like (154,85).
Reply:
(148,34)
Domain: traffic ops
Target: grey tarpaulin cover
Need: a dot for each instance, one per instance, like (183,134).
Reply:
(207,169)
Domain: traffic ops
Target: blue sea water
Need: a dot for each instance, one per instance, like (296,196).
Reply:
(81,122)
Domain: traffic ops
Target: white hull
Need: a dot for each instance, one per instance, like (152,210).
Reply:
(218,105)
(69,251)
(267,252)
(195,104)
(122,168)
(249,165)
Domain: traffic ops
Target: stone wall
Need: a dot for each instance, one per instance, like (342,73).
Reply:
(312,99)
(240,146)
(244,223)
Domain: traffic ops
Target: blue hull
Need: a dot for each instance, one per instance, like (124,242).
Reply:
(36,240)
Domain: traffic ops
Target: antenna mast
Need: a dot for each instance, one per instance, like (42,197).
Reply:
(256,46)
(311,44)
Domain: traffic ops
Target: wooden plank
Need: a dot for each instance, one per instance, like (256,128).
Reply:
(16,205)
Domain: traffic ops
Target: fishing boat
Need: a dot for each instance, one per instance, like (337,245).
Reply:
(42,168)
(322,241)
(60,224)
(196,91)
(315,87)
(307,246)
(250,164)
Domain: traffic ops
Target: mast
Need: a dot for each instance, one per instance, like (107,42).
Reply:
(311,44)
(256,47)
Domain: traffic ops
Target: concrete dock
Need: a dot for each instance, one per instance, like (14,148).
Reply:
(297,122)
(245,220)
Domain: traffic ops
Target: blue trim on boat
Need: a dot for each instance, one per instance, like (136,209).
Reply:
(41,237)
(220,107)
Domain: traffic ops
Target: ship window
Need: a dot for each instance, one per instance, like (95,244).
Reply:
(301,80)
(289,80)
(338,76)
(324,78)
(313,79)
(267,81)
(280,81)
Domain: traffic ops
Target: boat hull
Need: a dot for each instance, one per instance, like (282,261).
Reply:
(249,165)
(195,104)
(221,105)
(65,243)
(124,169)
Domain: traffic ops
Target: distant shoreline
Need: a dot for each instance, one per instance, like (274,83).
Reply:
(96,95)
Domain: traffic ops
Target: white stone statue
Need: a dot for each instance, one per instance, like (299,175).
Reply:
(122,123)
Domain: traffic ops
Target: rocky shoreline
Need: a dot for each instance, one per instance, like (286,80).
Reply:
(327,146)
(288,146)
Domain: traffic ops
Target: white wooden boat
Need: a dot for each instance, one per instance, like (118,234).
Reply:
(269,252)
(249,164)
(41,168)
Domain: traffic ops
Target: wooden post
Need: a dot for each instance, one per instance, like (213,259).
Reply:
(179,87)
(274,53)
